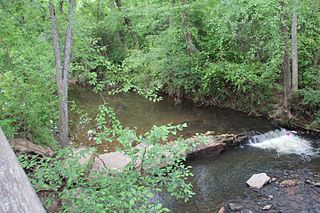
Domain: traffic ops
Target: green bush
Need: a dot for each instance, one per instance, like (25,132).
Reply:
(153,169)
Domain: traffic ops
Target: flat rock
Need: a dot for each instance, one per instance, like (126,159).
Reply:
(235,206)
(257,181)
(113,161)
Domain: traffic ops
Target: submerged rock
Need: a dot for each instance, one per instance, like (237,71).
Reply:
(270,197)
(289,183)
(257,181)
(235,206)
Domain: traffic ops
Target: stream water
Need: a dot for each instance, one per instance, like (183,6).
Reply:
(135,111)
(222,179)
(218,180)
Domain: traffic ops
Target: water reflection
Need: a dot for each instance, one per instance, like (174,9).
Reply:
(137,112)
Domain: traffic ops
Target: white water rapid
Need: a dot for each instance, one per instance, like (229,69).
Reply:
(284,142)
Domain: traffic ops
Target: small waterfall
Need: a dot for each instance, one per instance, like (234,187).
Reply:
(284,142)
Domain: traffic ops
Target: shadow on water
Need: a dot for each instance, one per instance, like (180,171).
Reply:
(135,111)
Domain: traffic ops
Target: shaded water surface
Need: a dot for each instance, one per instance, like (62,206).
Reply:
(135,111)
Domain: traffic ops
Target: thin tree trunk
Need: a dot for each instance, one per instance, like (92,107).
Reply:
(170,14)
(188,36)
(62,72)
(128,23)
(286,62)
(287,76)
(294,52)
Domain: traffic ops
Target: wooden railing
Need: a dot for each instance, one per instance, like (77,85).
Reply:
(16,193)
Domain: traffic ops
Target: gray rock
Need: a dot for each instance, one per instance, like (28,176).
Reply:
(235,206)
(266,207)
(210,145)
(85,155)
(316,184)
(222,210)
(258,180)
(112,161)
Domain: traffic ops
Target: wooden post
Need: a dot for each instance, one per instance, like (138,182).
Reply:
(16,192)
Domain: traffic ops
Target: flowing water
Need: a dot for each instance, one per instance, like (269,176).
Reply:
(284,142)
(221,179)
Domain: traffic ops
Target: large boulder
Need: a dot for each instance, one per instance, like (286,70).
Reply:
(257,181)
(207,146)
(112,161)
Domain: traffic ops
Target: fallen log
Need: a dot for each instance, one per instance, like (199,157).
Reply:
(25,146)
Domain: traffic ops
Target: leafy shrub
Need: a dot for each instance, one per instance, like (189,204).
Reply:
(152,169)
(27,101)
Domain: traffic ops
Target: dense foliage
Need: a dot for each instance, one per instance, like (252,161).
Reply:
(154,168)
(222,52)
(141,45)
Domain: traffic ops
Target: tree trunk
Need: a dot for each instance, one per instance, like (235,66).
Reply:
(294,52)
(170,14)
(128,23)
(286,62)
(62,72)
(188,36)
(16,192)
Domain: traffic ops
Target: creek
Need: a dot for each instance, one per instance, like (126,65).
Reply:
(221,179)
